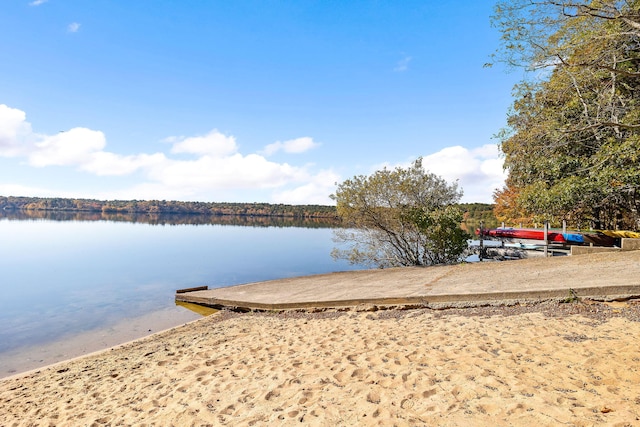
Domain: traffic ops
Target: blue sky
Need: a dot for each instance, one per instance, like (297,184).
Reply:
(242,101)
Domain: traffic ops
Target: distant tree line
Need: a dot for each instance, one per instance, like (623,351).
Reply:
(166,207)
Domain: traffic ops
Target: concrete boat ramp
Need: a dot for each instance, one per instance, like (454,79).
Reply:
(598,276)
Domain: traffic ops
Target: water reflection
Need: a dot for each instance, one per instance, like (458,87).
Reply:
(68,273)
(196,308)
(170,219)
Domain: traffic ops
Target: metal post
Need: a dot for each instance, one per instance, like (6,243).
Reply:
(481,240)
(546,239)
(564,226)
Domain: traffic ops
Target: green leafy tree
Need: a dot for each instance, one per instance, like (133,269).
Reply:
(573,141)
(400,217)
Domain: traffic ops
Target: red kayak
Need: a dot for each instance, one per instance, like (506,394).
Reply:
(524,233)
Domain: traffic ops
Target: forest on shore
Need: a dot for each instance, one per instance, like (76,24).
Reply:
(166,207)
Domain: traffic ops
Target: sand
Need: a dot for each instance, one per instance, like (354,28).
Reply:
(548,364)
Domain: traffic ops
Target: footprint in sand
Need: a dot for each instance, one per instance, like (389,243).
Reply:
(358,373)
(228,410)
(341,377)
(306,395)
(270,395)
(429,393)
(373,397)
(407,403)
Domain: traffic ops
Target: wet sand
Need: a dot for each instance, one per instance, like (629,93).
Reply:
(34,356)
(546,364)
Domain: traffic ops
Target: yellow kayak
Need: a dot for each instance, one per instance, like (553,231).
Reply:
(620,233)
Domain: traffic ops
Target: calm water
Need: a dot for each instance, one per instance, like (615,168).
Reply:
(63,278)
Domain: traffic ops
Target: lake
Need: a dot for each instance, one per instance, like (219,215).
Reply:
(73,283)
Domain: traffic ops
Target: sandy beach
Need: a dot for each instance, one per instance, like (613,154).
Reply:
(545,364)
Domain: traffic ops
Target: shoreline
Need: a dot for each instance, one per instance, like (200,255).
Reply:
(33,357)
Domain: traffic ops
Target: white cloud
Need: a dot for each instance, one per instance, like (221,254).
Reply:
(103,163)
(403,64)
(15,131)
(73,27)
(232,172)
(216,166)
(173,139)
(69,148)
(292,146)
(478,171)
(213,144)
(26,191)
(146,191)
(37,2)
(316,191)
(79,147)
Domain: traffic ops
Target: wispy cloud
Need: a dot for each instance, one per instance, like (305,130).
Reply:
(313,192)
(403,64)
(214,144)
(292,146)
(37,2)
(73,27)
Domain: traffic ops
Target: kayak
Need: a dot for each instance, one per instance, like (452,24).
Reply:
(617,234)
(533,234)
